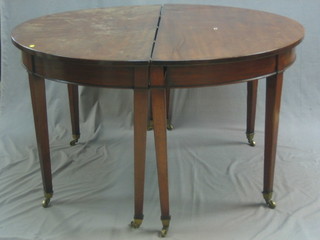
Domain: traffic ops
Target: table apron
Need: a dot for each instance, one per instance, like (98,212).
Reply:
(226,73)
(81,73)
(174,76)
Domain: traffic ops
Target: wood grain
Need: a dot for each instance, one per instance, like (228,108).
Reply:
(158,47)
(38,97)
(273,100)
(194,33)
(106,34)
(252,89)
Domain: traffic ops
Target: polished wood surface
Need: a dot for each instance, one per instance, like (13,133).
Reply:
(153,49)
(194,33)
(158,96)
(252,89)
(73,94)
(273,100)
(140,134)
(107,35)
(38,98)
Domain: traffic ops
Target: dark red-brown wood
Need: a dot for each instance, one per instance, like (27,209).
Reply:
(38,97)
(114,35)
(252,88)
(273,99)
(158,96)
(195,34)
(140,133)
(158,48)
(73,94)
(160,125)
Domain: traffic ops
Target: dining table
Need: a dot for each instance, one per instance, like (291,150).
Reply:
(152,49)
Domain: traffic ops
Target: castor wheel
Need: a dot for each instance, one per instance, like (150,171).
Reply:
(252,143)
(163,232)
(75,140)
(165,226)
(250,137)
(268,198)
(46,200)
(150,125)
(136,223)
(271,204)
(170,126)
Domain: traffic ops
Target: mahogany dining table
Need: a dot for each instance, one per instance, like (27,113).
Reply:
(152,49)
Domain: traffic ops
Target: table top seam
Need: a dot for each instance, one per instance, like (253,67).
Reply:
(156,34)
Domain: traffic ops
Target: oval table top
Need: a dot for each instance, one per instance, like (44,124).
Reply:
(152,49)
(107,34)
(168,34)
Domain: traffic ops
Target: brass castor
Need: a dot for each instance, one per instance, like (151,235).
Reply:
(271,204)
(46,200)
(250,137)
(268,198)
(170,126)
(150,126)
(165,226)
(136,223)
(75,139)
(163,232)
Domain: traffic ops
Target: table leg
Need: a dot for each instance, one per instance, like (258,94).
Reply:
(158,97)
(168,102)
(38,97)
(150,120)
(140,133)
(252,88)
(168,105)
(74,112)
(273,98)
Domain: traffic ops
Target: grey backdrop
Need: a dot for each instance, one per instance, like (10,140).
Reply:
(215,177)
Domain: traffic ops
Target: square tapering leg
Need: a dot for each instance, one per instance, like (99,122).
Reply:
(74,112)
(273,99)
(252,88)
(38,97)
(140,133)
(158,97)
